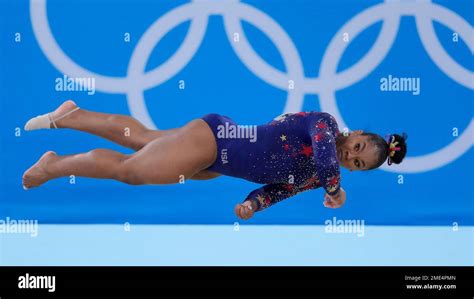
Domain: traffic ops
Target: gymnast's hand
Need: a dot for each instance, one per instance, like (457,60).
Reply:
(245,210)
(335,201)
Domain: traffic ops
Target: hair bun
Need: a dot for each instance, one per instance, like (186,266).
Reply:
(397,148)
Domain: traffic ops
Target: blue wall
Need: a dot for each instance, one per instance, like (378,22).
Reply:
(91,33)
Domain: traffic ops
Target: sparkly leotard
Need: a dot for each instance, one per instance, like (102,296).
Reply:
(293,153)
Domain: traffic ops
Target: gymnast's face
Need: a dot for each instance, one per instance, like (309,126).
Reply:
(356,152)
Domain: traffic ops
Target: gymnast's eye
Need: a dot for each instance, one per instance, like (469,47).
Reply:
(357,163)
(357,147)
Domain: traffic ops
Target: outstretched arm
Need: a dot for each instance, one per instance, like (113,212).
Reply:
(268,195)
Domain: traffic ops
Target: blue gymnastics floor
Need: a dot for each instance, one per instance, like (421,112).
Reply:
(247,245)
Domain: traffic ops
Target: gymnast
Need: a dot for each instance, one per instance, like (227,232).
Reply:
(292,153)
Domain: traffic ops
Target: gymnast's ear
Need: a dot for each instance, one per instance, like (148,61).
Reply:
(357,132)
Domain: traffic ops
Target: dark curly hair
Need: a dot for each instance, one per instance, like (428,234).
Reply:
(394,155)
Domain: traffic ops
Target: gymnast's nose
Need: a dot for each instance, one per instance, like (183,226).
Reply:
(349,156)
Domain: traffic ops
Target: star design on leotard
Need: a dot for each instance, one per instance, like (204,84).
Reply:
(318,137)
(260,198)
(283,137)
(310,182)
(289,187)
(321,125)
(334,180)
(302,113)
(333,183)
(307,150)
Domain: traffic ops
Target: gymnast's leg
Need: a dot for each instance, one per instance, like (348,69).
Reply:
(121,129)
(165,160)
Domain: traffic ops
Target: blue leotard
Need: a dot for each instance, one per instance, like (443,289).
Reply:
(293,153)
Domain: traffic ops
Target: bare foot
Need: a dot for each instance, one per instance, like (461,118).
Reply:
(61,110)
(37,174)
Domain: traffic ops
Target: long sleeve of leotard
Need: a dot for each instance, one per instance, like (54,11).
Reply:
(271,194)
(324,149)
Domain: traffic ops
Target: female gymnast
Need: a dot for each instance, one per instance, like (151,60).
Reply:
(293,153)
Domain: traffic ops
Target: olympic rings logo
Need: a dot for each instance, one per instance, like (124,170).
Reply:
(328,82)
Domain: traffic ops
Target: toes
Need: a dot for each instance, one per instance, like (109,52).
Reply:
(36,175)
(26,182)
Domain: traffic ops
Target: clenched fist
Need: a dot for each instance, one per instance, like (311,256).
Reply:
(246,210)
(335,201)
